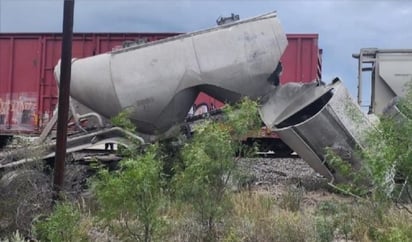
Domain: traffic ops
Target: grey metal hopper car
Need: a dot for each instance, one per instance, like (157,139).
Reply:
(390,74)
(159,81)
(311,118)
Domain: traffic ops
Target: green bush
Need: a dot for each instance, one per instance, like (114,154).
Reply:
(132,196)
(386,158)
(208,164)
(208,160)
(334,217)
(325,229)
(389,152)
(62,225)
(122,120)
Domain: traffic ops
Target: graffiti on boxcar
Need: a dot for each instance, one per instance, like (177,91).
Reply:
(18,112)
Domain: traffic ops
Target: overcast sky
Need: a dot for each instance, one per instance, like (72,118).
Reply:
(343,26)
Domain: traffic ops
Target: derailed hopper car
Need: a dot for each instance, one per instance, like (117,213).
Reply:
(28,91)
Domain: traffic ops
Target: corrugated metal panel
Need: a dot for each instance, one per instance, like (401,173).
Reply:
(28,91)
(300,60)
(19,70)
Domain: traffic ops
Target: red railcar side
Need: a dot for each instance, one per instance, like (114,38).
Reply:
(28,91)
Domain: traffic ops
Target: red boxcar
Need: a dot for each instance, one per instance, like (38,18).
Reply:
(28,91)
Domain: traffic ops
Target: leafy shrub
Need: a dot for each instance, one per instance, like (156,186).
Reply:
(386,158)
(208,162)
(122,120)
(389,152)
(62,225)
(325,229)
(374,221)
(132,196)
(334,217)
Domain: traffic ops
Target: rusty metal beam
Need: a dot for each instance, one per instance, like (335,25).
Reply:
(64,98)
